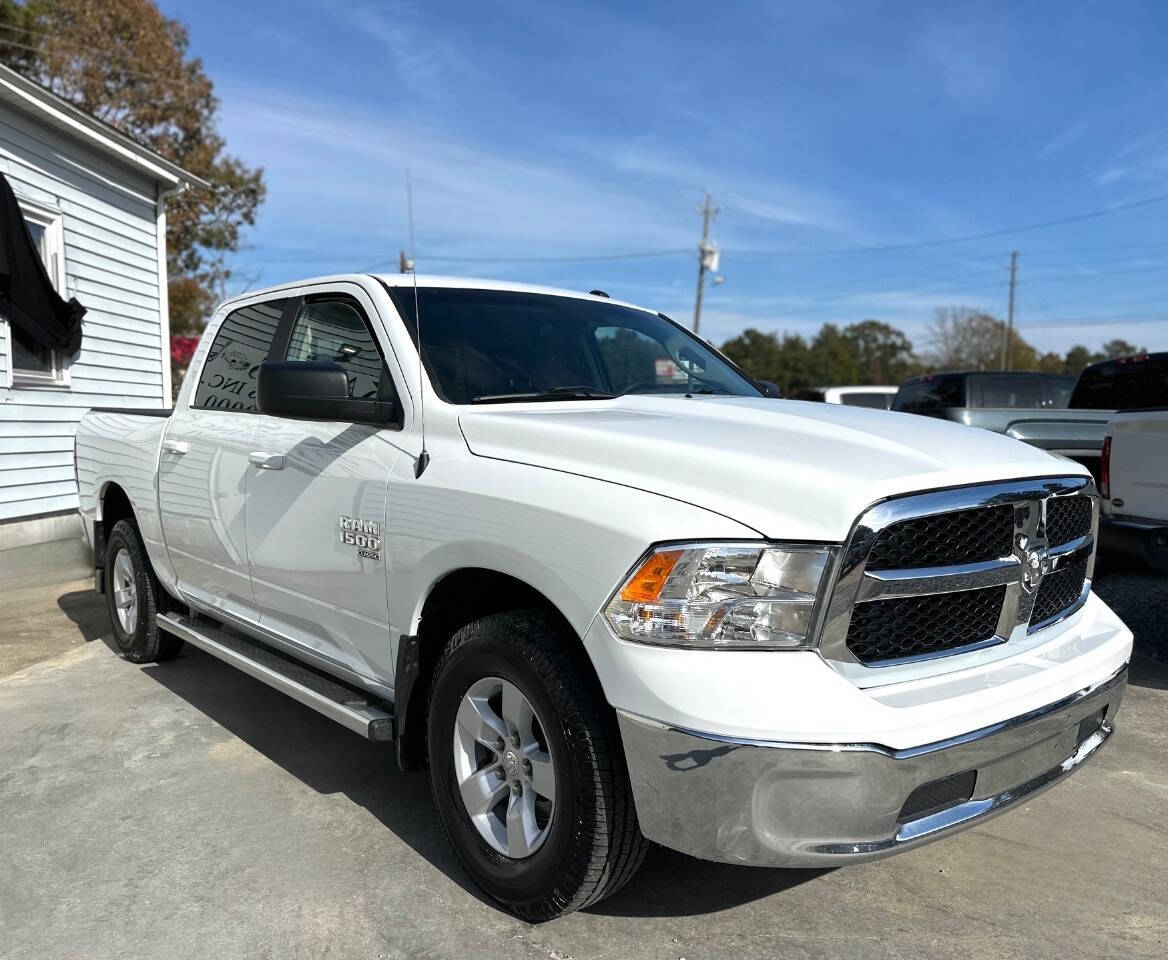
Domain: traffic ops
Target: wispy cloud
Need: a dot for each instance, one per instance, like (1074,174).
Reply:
(968,62)
(1143,160)
(336,174)
(425,61)
(1072,132)
(771,200)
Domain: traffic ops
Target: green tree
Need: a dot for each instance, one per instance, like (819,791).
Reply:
(629,358)
(1051,363)
(884,355)
(125,63)
(758,353)
(1120,348)
(833,358)
(1077,358)
(765,356)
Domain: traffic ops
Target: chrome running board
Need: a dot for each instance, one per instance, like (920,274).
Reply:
(346,705)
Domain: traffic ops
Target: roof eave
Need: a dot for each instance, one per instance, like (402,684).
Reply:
(72,120)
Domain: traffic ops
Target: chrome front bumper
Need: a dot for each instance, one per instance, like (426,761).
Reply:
(799,805)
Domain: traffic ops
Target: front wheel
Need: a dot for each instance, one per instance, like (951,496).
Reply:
(527,769)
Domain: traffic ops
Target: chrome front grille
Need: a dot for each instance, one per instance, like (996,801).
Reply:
(901,627)
(1057,593)
(935,574)
(964,536)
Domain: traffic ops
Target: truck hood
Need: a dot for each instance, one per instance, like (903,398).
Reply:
(788,469)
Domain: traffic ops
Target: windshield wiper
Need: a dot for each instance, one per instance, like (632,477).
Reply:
(555,393)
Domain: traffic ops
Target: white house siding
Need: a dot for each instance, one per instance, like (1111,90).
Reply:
(111,265)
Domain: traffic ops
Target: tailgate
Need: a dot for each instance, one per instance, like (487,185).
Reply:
(1052,430)
(1139,464)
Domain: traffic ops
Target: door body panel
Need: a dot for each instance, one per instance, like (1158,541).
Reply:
(202,479)
(203,465)
(314,536)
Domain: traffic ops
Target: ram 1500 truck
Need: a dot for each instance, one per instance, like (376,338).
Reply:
(575,563)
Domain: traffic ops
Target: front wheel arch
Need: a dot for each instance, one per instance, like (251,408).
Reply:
(456,599)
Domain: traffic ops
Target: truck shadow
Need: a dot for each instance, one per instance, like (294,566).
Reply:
(670,884)
(331,760)
(1148,672)
(87,611)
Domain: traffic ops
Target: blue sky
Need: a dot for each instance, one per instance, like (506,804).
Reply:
(537,130)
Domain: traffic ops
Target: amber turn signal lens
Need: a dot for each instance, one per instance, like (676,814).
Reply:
(645,585)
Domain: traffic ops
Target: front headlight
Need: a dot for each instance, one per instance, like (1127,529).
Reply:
(722,596)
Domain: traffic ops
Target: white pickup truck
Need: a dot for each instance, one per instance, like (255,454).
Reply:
(1134,484)
(582,569)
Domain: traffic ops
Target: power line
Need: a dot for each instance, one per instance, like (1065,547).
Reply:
(987,235)
(916,245)
(636,255)
(1149,317)
(1042,251)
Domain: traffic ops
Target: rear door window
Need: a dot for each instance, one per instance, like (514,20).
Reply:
(1020,392)
(1058,391)
(930,394)
(242,343)
(855,398)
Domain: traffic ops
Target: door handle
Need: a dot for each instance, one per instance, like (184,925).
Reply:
(267,461)
(177,447)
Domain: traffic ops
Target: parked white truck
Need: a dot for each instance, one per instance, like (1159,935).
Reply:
(579,566)
(1134,484)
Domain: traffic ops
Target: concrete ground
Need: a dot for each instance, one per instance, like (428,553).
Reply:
(47,603)
(185,810)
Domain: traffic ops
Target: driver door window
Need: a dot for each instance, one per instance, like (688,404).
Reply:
(334,330)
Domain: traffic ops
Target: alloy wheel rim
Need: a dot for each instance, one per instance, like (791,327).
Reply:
(503,768)
(125,591)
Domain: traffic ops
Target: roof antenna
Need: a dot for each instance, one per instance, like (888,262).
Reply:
(423,457)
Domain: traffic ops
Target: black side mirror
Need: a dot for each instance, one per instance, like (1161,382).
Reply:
(771,389)
(316,390)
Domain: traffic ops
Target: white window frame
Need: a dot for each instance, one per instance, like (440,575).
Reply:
(50,220)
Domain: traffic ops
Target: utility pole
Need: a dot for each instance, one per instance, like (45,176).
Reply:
(406,263)
(1008,341)
(707,256)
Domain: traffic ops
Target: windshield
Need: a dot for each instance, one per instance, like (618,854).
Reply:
(495,346)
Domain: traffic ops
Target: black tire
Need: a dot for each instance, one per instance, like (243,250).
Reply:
(145,643)
(594,845)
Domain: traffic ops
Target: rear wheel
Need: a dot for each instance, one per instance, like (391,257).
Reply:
(527,769)
(133,595)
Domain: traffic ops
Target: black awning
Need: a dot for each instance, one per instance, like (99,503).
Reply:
(27,298)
